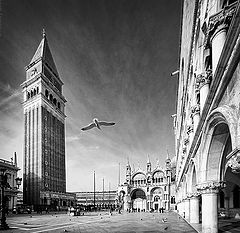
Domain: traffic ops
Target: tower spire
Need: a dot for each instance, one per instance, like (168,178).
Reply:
(15,158)
(167,155)
(148,161)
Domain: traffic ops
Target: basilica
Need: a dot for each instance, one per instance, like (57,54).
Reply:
(152,189)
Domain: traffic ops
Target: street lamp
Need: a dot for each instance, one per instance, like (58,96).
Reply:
(4,184)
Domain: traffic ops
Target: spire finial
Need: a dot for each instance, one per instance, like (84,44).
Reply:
(43,33)
(148,161)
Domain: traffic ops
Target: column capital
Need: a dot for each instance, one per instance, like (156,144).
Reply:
(234,160)
(193,195)
(204,78)
(210,187)
(218,22)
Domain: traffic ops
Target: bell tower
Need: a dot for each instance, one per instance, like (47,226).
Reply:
(128,172)
(44,128)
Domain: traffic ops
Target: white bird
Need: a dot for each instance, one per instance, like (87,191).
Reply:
(97,123)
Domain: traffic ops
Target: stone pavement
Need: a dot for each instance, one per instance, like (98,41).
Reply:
(225,225)
(100,222)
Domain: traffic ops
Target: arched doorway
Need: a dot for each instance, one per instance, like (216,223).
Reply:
(157,199)
(138,198)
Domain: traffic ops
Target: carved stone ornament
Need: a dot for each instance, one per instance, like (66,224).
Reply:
(194,194)
(210,187)
(186,141)
(219,21)
(234,161)
(204,78)
(197,87)
(189,129)
(184,150)
(195,109)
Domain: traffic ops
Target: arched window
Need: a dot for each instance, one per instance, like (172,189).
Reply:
(54,101)
(31,93)
(34,91)
(156,198)
(59,106)
(37,90)
(51,97)
(28,95)
(172,200)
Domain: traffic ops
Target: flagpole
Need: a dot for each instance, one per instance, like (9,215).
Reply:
(94,190)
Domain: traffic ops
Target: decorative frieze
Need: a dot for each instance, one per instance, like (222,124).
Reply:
(210,187)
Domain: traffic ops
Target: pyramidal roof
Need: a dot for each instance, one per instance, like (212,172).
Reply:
(43,52)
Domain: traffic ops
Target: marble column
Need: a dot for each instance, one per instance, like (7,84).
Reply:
(187,208)
(216,33)
(126,204)
(194,208)
(217,41)
(180,208)
(209,192)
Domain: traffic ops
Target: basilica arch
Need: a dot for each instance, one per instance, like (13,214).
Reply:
(138,200)
(156,195)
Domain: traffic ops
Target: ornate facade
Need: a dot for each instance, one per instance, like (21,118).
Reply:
(207,122)
(44,176)
(153,189)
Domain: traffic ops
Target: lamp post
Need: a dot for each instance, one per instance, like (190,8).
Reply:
(4,184)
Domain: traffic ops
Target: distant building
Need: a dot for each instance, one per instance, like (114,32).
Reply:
(11,169)
(152,189)
(207,124)
(103,199)
(44,173)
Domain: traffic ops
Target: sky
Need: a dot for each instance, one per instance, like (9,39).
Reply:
(115,58)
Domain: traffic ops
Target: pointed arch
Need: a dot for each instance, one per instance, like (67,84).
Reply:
(219,130)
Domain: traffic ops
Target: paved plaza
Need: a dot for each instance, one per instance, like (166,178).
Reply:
(99,222)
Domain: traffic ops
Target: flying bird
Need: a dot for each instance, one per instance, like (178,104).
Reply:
(97,123)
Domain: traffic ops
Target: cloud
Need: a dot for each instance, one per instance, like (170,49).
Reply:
(13,96)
